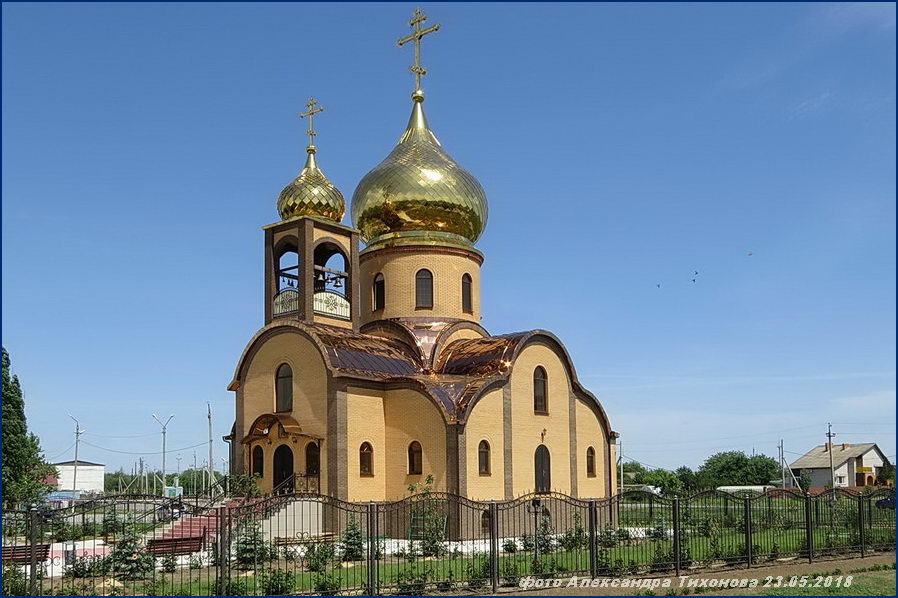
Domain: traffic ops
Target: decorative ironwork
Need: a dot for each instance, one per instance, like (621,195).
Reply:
(286,302)
(331,303)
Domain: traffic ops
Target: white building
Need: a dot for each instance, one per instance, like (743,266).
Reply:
(853,464)
(91,476)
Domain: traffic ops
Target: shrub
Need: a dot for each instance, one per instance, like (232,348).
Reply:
(545,541)
(276,582)
(510,546)
(233,587)
(509,575)
(169,563)
(251,547)
(412,581)
(318,556)
(576,537)
(478,571)
(129,557)
(14,581)
(326,584)
(607,538)
(352,544)
(658,532)
(195,562)
(87,566)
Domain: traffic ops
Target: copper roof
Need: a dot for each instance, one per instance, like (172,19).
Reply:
(463,369)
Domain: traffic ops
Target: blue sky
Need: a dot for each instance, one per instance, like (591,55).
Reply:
(621,147)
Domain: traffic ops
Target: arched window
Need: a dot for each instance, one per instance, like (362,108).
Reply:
(542,469)
(591,462)
(283,388)
(414,458)
(483,457)
(258,462)
(286,276)
(540,388)
(380,295)
(467,305)
(486,521)
(366,459)
(313,459)
(423,290)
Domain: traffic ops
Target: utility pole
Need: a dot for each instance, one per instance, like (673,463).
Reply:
(178,458)
(829,443)
(211,462)
(193,477)
(779,448)
(142,491)
(78,433)
(620,450)
(164,428)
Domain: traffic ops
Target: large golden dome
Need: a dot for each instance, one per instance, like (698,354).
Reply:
(418,194)
(311,194)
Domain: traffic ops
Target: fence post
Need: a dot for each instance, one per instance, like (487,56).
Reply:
(860,524)
(676,534)
(748,540)
(809,527)
(372,549)
(591,518)
(494,545)
(32,580)
(223,562)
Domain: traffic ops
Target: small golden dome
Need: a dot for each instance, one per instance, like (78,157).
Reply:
(311,194)
(418,194)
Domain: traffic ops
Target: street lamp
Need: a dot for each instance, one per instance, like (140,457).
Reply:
(164,427)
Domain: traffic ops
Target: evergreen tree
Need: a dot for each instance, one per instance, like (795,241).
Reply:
(129,557)
(353,542)
(24,468)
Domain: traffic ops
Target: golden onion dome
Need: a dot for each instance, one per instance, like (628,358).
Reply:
(419,194)
(311,194)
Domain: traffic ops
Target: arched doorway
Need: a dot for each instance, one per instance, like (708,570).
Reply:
(282,468)
(543,469)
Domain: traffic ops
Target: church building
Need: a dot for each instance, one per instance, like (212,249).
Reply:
(372,370)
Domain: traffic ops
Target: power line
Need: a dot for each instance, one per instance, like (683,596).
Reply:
(61,452)
(103,448)
(756,436)
(130,436)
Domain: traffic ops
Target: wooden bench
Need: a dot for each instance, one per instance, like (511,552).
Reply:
(175,546)
(22,554)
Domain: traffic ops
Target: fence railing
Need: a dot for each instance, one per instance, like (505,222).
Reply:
(305,543)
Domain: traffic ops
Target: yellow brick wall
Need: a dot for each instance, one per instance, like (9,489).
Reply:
(485,423)
(365,423)
(590,433)
(528,426)
(399,271)
(342,241)
(309,395)
(408,416)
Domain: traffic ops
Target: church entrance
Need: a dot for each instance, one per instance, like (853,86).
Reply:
(283,469)
(542,468)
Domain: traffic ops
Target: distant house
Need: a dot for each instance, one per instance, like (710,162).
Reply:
(90,480)
(853,464)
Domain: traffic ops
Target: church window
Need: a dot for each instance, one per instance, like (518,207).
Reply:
(542,469)
(284,388)
(483,457)
(366,459)
(540,388)
(423,290)
(258,462)
(380,296)
(414,458)
(591,462)
(486,521)
(466,301)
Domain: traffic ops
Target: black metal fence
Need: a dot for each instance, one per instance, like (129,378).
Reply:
(313,544)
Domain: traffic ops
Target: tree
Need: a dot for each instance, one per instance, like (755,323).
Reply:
(735,468)
(688,479)
(634,472)
(886,474)
(24,468)
(804,480)
(664,479)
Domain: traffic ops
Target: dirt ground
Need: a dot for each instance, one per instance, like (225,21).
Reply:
(760,572)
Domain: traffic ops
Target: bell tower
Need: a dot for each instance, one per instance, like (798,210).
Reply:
(311,260)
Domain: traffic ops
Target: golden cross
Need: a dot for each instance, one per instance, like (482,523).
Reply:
(417,34)
(313,109)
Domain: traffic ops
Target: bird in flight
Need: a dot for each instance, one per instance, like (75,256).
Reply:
(696,272)
(749,253)
(693,280)
(658,285)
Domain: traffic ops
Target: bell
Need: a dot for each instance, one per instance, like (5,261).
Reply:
(338,283)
